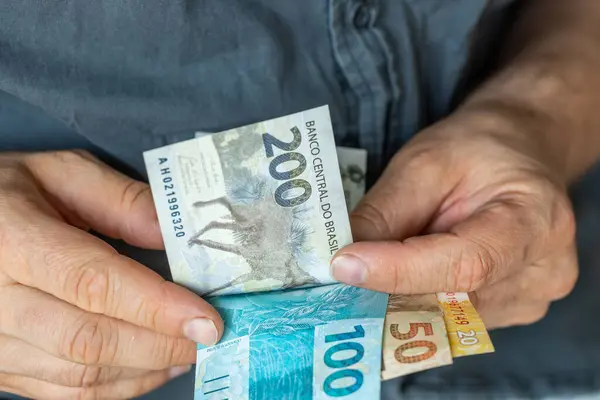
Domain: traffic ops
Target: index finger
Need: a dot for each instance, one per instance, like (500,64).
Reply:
(74,266)
(484,248)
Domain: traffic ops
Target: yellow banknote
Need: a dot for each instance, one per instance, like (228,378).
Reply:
(466,331)
(414,337)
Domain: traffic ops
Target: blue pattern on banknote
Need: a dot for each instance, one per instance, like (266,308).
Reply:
(223,370)
(281,328)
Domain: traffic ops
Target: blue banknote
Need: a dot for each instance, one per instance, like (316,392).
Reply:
(317,343)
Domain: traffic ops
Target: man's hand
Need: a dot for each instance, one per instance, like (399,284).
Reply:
(466,207)
(477,202)
(78,320)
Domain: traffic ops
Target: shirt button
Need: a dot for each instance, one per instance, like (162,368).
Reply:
(362,17)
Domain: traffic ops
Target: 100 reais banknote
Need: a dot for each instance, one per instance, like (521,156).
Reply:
(252,217)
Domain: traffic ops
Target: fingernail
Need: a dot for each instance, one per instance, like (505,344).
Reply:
(349,269)
(179,370)
(201,330)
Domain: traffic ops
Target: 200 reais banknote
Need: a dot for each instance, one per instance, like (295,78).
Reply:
(252,217)
(257,208)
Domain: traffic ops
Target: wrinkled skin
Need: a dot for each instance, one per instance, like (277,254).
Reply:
(79,320)
(467,207)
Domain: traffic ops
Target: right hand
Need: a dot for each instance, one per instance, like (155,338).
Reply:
(77,319)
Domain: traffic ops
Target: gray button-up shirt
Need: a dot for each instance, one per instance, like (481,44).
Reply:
(122,76)
(131,75)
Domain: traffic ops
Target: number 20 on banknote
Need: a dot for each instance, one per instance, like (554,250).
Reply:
(466,331)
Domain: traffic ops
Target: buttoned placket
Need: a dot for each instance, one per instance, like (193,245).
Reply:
(368,73)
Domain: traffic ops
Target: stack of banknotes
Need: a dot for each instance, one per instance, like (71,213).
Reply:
(251,218)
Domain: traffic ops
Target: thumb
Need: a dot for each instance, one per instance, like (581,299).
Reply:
(484,248)
(106,200)
(404,199)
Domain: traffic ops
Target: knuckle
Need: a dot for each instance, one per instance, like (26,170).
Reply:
(405,276)
(421,155)
(85,375)
(166,351)
(90,341)
(182,352)
(169,351)
(89,285)
(558,223)
(471,269)
(132,191)
(375,219)
(398,285)
(150,309)
(149,313)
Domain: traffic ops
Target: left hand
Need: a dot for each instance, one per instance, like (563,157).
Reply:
(469,205)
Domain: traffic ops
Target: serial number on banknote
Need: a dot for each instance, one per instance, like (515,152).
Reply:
(170,193)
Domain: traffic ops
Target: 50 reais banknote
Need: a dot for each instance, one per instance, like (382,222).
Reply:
(251,217)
